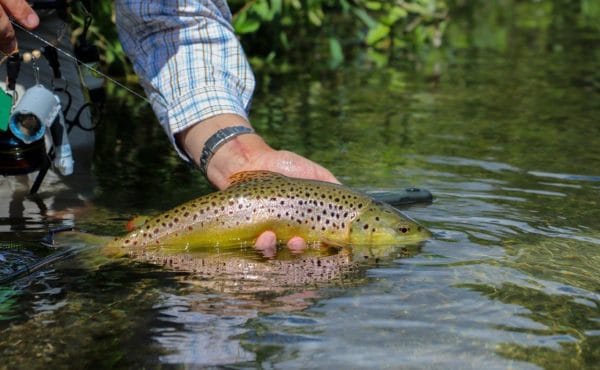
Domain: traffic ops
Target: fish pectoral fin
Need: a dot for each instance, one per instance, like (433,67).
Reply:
(136,222)
(332,243)
(252,176)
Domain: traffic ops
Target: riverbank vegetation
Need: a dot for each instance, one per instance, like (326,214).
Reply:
(282,34)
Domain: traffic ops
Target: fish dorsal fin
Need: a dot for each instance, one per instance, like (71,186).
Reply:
(253,176)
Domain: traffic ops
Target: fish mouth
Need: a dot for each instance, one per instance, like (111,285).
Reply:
(423,232)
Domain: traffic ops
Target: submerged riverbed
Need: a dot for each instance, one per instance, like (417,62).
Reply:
(507,141)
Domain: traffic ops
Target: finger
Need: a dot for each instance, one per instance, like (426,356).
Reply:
(267,244)
(21,12)
(296,244)
(266,240)
(8,43)
(268,252)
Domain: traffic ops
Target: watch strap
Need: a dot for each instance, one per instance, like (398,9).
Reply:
(217,140)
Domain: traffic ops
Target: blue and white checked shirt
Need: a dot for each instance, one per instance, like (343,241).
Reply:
(188,59)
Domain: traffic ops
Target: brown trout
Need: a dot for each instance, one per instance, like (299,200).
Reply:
(257,201)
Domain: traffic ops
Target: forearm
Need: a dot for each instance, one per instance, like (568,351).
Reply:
(190,64)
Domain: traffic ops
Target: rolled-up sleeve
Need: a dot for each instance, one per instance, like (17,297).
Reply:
(188,59)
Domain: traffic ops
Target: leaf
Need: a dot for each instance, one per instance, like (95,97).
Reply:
(276,6)
(283,39)
(373,5)
(394,15)
(365,17)
(377,33)
(261,8)
(336,55)
(315,16)
(242,24)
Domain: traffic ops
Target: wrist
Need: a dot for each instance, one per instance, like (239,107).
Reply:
(233,156)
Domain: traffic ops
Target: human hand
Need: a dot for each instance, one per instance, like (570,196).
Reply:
(249,153)
(289,164)
(22,13)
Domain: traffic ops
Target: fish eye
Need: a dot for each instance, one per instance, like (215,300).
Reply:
(403,229)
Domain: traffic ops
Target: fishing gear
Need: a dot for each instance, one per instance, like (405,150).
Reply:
(34,127)
(35,121)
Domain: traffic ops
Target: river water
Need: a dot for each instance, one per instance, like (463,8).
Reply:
(507,141)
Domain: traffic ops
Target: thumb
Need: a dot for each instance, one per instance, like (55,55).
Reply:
(21,12)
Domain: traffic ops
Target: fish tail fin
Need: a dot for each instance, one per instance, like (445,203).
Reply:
(66,244)
(89,247)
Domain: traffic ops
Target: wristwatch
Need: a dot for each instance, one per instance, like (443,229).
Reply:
(217,140)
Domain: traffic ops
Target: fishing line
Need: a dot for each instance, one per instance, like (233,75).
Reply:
(73,58)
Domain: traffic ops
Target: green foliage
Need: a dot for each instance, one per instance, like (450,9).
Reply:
(333,31)
(291,34)
(102,33)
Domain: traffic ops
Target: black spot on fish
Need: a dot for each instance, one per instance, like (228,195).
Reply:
(366,226)
(186,214)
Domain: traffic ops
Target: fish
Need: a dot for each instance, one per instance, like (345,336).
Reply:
(322,213)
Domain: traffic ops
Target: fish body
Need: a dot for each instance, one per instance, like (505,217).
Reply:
(257,201)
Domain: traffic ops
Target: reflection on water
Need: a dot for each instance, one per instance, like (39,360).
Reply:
(508,143)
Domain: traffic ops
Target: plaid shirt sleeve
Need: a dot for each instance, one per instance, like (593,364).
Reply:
(188,59)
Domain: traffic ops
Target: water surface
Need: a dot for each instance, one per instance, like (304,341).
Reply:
(507,140)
